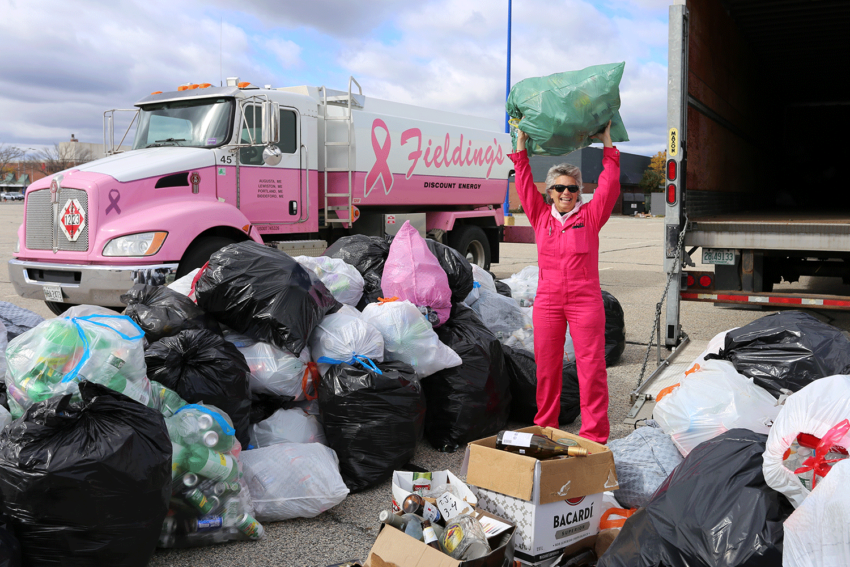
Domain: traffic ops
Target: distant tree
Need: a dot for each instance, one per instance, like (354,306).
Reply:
(653,177)
(60,157)
(8,155)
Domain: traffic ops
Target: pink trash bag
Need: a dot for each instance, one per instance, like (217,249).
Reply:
(412,272)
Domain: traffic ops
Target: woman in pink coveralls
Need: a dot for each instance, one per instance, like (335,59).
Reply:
(567,234)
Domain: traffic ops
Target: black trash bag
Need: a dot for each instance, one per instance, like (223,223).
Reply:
(523,373)
(789,350)
(87,483)
(457,269)
(4,395)
(373,421)
(502,288)
(714,510)
(263,405)
(163,312)
(265,294)
(17,320)
(615,329)
(472,400)
(10,548)
(367,254)
(202,367)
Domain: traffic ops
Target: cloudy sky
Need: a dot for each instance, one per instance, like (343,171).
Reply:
(64,63)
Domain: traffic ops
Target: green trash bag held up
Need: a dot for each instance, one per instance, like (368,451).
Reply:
(562,111)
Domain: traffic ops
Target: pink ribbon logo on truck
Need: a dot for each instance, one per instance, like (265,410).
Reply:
(434,156)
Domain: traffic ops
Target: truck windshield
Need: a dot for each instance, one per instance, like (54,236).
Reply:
(203,123)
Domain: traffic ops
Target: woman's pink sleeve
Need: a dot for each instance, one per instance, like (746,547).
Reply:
(608,191)
(531,199)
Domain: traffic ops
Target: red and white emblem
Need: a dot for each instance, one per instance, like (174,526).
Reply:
(72,220)
(195,178)
(54,190)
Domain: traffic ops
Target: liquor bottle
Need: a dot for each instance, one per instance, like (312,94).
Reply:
(429,536)
(212,464)
(387,517)
(538,446)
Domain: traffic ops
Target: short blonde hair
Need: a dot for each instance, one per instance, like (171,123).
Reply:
(557,171)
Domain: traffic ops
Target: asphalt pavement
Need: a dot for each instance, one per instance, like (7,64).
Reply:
(631,269)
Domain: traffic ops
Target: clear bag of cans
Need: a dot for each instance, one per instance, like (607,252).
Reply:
(210,502)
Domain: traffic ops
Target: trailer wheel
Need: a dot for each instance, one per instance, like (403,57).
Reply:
(471,241)
(199,253)
(58,308)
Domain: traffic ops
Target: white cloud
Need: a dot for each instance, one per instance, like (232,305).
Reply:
(288,53)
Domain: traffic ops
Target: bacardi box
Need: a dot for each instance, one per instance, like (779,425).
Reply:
(554,503)
(394,548)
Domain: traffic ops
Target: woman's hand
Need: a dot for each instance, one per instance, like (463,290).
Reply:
(521,137)
(604,136)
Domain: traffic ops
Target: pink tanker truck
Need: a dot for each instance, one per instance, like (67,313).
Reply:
(294,167)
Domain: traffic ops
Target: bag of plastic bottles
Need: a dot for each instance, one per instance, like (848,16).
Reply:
(523,285)
(504,318)
(86,482)
(275,371)
(523,374)
(816,533)
(373,419)
(472,400)
(561,112)
(712,401)
(17,320)
(265,294)
(51,359)
(162,312)
(293,480)
(714,510)
(412,272)
(644,459)
(166,400)
(200,366)
(367,254)
(409,337)
(288,426)
(210,502)
(615,329)
(458,269)
(345,337)
(787,350)
(814,410)
(341,279)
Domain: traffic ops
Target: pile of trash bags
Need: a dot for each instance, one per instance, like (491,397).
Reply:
(742,461)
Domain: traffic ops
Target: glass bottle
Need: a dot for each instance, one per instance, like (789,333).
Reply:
(537,446)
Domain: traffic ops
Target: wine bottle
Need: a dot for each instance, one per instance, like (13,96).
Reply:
(538,446)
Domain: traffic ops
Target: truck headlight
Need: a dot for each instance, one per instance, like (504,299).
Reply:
(141,244)
(17,245)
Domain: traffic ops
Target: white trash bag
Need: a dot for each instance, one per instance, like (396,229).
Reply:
(711,401)
(815,410)
(184,284)
(504,318)
(343,280)
(274,370)
(288,426)
(816,534)
(523,285)
(344,337)
(409,337)
(293,480)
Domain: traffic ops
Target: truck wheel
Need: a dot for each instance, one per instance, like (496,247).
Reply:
(58,308)
(471,241)
(199,253)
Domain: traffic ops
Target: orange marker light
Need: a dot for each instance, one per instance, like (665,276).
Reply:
(204,86)
(244,84)
(156,92)
(183,88)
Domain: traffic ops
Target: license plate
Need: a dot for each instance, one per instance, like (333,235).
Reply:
(53,293)
(722,256)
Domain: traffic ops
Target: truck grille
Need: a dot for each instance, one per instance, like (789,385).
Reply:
(40,227)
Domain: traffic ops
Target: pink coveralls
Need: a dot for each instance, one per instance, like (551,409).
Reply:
(569,291)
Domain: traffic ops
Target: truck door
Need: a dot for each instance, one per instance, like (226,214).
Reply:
(271,194)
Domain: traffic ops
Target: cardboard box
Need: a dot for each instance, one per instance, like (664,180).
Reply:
(403,486)
(394,548)
(554,503)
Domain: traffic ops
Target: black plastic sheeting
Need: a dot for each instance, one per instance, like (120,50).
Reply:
(373,421)
(503,289)
(265,294)
(787,350)
(714,510)
(87,483)
(523,372)
(202,367)
(367,254)
(163,312)
(472,400)
(457,268)
(10,548)
(615,329)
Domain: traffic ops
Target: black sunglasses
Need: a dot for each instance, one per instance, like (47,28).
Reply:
(560,188)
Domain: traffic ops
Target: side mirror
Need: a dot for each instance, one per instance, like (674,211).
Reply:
(271,122)
(272,155)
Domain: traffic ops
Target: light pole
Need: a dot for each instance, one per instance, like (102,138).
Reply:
(506,207)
